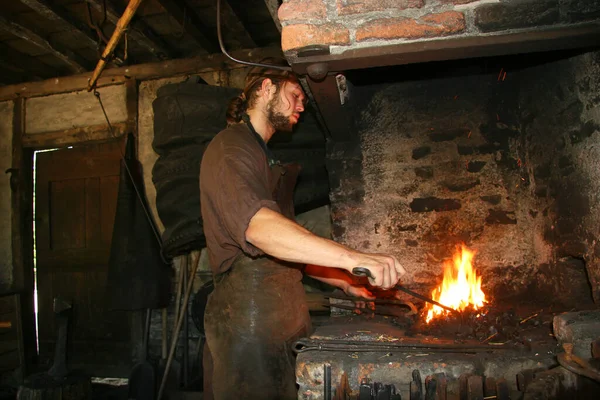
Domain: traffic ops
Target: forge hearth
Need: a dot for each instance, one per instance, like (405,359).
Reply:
(458,152)
(499,154)
(347,355)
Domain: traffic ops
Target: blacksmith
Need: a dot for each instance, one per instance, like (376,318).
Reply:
(257,251)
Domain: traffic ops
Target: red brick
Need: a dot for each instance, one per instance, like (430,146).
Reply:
(302,10)
(298,36)
(450,21)
(457,2)
(431,25)
(346,7)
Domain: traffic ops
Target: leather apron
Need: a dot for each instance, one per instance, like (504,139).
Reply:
(254,315)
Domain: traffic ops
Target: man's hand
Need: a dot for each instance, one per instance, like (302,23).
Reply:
(361,292)
(385,269)
(358,291)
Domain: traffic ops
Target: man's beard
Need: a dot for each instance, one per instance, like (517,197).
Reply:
(277,119)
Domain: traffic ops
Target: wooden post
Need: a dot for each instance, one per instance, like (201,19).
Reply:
(22,235)
(114,40)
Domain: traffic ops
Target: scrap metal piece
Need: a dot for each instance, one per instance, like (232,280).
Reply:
(327,381)
(416,386)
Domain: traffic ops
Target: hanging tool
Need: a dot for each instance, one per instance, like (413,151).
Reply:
(114,40)
(360,271)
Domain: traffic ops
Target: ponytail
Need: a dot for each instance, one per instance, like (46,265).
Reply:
(237,108)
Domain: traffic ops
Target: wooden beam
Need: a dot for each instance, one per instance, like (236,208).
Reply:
(59,15)
(72,60)
(257,31)
(189,21)
(26,63)
(131,103)
(22,235)
(11,74)
(67,137)
(140,31)
(273,6)
(113,76)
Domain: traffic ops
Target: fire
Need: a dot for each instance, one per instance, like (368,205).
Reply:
(460,288)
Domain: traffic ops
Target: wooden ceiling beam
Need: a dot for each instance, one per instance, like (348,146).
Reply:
(189,21)
(162,69)
(11,74)
(74,62)
(26,63)
(273,6)
(256,32)
(140,31)
(58,14)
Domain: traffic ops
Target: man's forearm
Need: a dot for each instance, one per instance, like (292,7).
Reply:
(282,238)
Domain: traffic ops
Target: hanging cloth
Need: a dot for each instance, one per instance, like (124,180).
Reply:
(138,278)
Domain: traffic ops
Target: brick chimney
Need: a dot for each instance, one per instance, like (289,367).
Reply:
(357,27)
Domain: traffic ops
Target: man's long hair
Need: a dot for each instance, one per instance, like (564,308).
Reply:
(245,101)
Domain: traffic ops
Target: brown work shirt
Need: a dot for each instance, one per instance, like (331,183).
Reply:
(235,182)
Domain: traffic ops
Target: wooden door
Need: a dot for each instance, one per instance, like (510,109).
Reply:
(76,195)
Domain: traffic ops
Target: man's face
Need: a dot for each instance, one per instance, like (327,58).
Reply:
(284,109)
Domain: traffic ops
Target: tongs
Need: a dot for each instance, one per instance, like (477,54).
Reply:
(360,271)
(384,302)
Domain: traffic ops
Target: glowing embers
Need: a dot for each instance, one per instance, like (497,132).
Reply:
(461,287)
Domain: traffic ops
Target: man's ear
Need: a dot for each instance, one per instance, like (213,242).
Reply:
(267,86)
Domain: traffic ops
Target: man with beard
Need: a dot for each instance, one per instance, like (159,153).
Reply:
(257,251)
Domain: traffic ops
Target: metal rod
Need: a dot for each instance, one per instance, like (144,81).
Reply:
(367,310)
(374,301)
(360,271)
(424,298)
(327,381)
(186,339)
(186,298)
(304,345)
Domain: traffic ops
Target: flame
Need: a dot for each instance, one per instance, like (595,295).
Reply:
(460,288)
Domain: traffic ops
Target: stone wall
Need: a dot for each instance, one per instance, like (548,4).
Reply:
(559,113)
(349,24)
(444,161)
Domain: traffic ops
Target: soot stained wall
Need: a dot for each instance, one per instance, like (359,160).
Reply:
(443,161)
(560,120)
